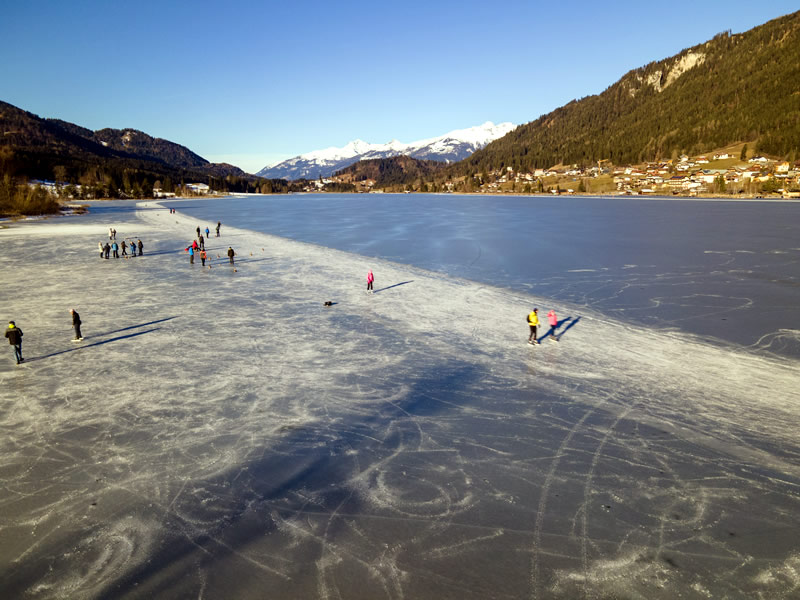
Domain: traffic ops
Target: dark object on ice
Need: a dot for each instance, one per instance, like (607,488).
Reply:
(76,323)
(107,249)
(231,254)
(141,246)
(14,335)
(328,303)
(218,226)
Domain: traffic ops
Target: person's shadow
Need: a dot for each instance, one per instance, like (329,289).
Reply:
(388,287)
(572,322)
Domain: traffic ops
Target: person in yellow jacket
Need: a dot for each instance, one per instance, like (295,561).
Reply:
(533,322)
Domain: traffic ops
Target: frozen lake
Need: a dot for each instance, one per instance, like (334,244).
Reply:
(723,269)
(221,434)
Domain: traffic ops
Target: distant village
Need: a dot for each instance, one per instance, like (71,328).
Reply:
(718,174)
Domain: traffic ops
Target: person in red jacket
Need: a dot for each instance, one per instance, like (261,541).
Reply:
(553,320)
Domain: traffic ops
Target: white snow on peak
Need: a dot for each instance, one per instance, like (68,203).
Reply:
(452,146)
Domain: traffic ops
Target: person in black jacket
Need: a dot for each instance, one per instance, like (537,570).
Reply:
(141,247)
(76,323)
(231,254)
(14,335)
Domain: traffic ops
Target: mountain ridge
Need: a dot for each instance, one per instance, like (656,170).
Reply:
(731,88)
(450,147)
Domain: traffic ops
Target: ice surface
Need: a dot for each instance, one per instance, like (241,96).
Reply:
(221,433)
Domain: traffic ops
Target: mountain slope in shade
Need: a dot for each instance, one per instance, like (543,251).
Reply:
(450,147)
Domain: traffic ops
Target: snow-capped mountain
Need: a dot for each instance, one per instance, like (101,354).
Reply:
(450,147)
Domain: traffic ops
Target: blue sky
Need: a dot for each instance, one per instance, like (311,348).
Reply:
(254,82)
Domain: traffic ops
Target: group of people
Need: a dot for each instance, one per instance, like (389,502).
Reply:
(113,249)
(198,246)
(533,323)
(14,334)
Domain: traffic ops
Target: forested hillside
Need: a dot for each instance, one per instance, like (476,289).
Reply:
(733,88)
(109,162)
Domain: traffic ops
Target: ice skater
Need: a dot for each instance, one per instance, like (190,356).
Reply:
(219,224)
(553,320)
(231,254)
(202,242)
(123,245)
(533,322)
(14,335)
(76,324)
(203,257)
(370,279)
(141,247)
(198,231)
(207,232)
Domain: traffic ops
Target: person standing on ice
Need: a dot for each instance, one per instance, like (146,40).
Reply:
(141,247)
(533,322)
(198,231)
(14,336)
(123,245)
(107,249)
(553,320)
(76,324)
(231,254)
(207,232)
(202,242)
(218,226)
(133,248)
(102,250)
(191,255)
(370,279)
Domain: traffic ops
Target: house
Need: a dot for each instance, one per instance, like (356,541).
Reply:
(702,160)
(198,188)
(722,156)
(782,168)
(759,159)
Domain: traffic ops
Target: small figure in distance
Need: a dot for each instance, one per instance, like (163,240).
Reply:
(533,322)
(191,255)
(553,319)
(219,224)
(76,324)
(202,242)
(141,247)
(107,250)
(370,279)
(198,231)
(14,335)
(123,245)
(207,232)
(115,249)
(133,248)
(328,303)
(102,249)
(203,257)
(231,254)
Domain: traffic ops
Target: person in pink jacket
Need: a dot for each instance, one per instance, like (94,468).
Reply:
(553,320)
(370,279)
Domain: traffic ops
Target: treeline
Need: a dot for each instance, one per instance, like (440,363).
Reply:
(394,171)
(21,199)
(738,88)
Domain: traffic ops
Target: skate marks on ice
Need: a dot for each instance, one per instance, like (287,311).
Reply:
(400,447)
